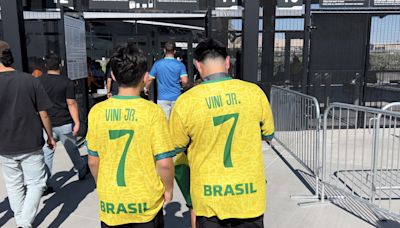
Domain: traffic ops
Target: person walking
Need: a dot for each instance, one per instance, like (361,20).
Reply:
(23,105)
(112,87)
(130,149)
(221,124)
(169,73)
(63,116)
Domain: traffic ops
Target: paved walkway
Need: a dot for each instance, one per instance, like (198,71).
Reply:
(74,204)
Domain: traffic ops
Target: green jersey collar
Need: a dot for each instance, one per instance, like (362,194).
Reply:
(216,78)
(125,97)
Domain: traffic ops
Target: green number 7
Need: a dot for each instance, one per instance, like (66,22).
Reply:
(116,134)
(218,120)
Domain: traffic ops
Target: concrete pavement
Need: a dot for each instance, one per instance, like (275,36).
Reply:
(74,204)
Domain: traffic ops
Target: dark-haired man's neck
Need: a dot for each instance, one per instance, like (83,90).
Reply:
(213,69)
(54,72)
(129,91)
(5,69)
(169,55)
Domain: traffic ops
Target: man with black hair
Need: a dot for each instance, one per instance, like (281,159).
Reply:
(130,149)
(63,115)
(169,72)
(23,105)
(221,124)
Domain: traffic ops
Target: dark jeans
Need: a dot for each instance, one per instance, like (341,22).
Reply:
(214,222)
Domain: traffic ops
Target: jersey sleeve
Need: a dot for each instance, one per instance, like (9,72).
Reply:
(93,143)
(183,72)
(267,120)
(153,71)
(161,143)
(70,93)
(178,132)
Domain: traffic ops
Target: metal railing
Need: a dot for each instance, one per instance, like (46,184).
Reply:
(297,128)
(358,162)
(394,107)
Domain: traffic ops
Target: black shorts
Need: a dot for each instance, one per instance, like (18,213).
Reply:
(157,222)
(214,222)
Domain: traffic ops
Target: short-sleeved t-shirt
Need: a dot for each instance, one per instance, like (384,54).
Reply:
(168,72)
(221,123)
(128,134)
(59,88)
(22,97)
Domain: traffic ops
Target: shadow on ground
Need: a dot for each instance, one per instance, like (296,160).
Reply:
(173,221)
(388,224)
(353,206)
(69,196)
(5,207)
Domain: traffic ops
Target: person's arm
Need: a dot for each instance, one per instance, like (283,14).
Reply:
(73,111)
(267,120)
(109,81)
(47,127)
(44,103)
(184,77)
(72,106)
(185,83)
(163,151)
(94,163)
(166,171)
(151,76)
(147,86)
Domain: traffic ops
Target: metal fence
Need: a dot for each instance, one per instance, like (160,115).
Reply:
(394,107)
(297,127)
(361,155)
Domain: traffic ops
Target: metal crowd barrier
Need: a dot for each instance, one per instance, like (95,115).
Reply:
(359,162)
(395,107)
(297,128)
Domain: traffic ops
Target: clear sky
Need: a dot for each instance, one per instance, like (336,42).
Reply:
(383,30)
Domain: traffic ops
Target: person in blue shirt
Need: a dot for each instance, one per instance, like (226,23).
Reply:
(169,73)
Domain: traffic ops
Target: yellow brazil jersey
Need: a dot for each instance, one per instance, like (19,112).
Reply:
(221,123)
(128,134)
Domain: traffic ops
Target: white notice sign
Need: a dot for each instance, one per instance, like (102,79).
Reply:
(75,45)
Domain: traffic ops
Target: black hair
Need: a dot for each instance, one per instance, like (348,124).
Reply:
(52,62)
(210,49)
(6,57)
(128,64)
(170,47)
(97,65)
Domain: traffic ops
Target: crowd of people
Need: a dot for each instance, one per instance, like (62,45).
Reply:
(209,139)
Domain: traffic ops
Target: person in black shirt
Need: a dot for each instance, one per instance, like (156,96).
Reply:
(112,86)
(23,105)
(63,115)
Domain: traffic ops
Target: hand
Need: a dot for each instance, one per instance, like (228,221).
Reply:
(75,130)
(51,143)
(168,197)
(109,95)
